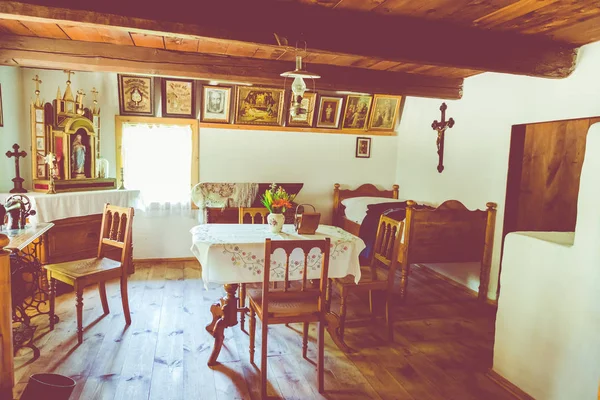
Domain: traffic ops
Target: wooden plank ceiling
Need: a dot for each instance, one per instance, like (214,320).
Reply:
(387,44)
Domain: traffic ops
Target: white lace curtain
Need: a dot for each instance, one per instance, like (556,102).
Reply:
(157,160)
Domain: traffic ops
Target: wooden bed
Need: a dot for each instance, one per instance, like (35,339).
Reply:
(366,190)
(450,233)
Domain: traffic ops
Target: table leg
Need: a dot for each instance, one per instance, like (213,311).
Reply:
(333,324)
(224,315)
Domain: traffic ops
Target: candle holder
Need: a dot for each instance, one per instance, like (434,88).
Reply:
(51,186)
(122,185)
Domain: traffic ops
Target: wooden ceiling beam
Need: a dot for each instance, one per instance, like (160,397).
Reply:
(342,32)
(87,56)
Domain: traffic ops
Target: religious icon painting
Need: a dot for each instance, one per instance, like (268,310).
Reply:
(39,130)
(41,171)
(178,98)
(215,104)
(330,109)
(304,115)
(357,111)
(39,115)
(40,144)
(384,116)
(136,95)
(363,147)
(259,106)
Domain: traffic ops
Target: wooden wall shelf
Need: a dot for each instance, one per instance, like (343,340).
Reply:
(295,129)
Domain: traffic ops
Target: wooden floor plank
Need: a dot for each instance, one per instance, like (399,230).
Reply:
(134,382)
(167,374)
(442,349)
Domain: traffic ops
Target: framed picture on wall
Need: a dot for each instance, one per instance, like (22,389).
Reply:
(357,112)
(304,118)
(384,116)
(330,109)
(259,106)
(178,98)
(363,147)
(216,101)
(136,95)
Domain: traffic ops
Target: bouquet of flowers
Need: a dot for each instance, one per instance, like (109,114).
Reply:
(276,199)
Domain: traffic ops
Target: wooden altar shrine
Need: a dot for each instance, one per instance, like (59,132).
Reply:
(71,133)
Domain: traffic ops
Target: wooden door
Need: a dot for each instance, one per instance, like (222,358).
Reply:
(543,178)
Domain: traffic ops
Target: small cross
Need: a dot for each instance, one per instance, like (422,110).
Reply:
(80,95)
(95,94)
(37,81)
(18,181)
(68,72)
(441,127)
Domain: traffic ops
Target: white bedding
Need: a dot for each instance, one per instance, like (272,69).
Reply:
(356,207)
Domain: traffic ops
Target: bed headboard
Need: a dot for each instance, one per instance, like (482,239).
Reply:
(366,190)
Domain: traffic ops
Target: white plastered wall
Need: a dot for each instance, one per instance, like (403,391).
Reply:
(477,147)
(226,155)
(548,319)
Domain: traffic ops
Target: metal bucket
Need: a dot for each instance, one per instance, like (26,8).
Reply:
(48,386)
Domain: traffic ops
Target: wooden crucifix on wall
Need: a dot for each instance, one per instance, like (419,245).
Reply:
(17,180)
(441,127)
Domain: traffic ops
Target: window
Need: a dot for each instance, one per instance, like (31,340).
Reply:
(159,158)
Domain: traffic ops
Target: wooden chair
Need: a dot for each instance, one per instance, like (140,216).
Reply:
(292,303)
(115,231)
(249,215)
(253,215)
(375,276)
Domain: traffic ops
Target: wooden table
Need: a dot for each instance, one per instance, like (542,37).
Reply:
(11,241)
(233,254)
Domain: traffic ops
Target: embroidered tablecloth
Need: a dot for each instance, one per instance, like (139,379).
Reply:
(234,253)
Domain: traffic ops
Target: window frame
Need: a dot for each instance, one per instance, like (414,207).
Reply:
(192,123)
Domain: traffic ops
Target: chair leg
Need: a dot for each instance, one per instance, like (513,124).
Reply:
(329,293)
(389,317)
(321,356)
(263,361)
(252,334)
(242,305)
(52,301)
(404,280)
(79,306)
(304,339)
(371,304)
(125,301)
(343,295)
(103,299)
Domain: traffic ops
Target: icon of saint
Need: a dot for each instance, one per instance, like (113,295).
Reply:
(78,157)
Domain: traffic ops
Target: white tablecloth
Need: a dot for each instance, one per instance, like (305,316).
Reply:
(234,253)
(52,207)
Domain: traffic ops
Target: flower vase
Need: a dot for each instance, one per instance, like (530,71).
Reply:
(275,222)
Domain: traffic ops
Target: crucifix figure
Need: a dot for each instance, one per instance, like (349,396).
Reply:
(18,181)
(441,127)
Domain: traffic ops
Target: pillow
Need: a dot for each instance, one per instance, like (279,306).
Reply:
(356,207)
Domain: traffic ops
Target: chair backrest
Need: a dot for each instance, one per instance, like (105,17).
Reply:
(115,231)
(253,215)
(307,260)
(387,246)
